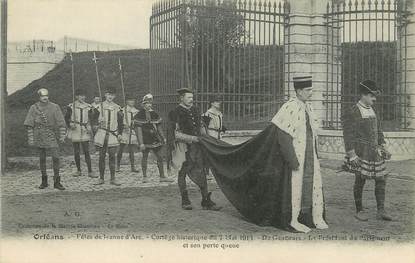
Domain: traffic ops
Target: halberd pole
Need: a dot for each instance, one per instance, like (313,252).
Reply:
(73,87)
(95,59)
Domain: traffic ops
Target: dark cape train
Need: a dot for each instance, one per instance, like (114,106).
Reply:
(254,176)
(275,175)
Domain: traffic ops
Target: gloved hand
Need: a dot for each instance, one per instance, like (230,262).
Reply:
(89,130)
(355,163)
(101,121)
(163,140)
(142,147)
(62,139)
(30,137)
(384,153)
(72,126)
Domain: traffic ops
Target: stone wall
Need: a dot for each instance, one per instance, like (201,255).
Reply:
(23,68)
(331,146)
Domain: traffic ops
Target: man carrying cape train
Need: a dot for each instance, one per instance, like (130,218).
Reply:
(296,119)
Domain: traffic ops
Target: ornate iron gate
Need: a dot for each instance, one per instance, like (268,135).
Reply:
(367,40)
(234,49)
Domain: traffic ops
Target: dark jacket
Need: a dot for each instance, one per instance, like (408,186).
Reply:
(361,135)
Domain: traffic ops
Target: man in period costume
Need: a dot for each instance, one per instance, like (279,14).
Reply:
(77,117)
(365,148)
(45,127)
(128,137)
(150,136)
(95,105)
(213,119)
(295,119)
(274,178)
(110,120)
(186,122)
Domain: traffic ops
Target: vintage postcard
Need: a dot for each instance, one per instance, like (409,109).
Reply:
(207,130)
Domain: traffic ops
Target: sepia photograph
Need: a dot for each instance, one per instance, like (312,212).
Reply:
(208,130)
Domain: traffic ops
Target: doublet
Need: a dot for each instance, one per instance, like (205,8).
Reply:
(78,116)
(148,121)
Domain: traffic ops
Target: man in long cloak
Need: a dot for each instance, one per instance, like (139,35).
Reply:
(274,178)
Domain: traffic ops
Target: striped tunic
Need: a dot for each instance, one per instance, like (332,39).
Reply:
(46,124)
(362,132)
(78,116)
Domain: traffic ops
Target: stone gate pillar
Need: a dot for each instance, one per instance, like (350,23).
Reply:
(306,36)
(410,63)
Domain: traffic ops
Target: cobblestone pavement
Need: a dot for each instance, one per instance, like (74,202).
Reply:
(21,182)
(155,207)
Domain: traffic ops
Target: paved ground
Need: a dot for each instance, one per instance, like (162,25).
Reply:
(154,207)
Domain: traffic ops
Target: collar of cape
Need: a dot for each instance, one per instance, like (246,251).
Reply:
(185,107)
(291,118)
(360,103)
(214,112)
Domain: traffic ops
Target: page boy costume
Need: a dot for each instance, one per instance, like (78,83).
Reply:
(365,148)
(78,120)
(213,120)
(110,126)
(128,136)
(150,136)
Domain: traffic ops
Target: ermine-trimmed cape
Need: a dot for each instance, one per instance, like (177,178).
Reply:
(257,176)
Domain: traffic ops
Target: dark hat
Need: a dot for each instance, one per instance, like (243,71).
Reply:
(215,98)
(184,90)
(110,89)
(302,82)
(79,92)
(368,86)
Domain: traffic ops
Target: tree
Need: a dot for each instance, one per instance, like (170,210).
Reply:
(208,33)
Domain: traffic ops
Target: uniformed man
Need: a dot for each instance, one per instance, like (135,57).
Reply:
(186,121)
(365,147)
(128,137)
(45,127)
(110,120)
(150,136)
(77,119)
(213,118)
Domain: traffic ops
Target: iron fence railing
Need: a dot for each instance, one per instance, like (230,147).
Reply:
(234,49)
(367,40)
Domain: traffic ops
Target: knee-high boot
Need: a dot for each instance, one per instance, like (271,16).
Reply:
(181,180)
(380,185)
(56,177)
(42,161)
